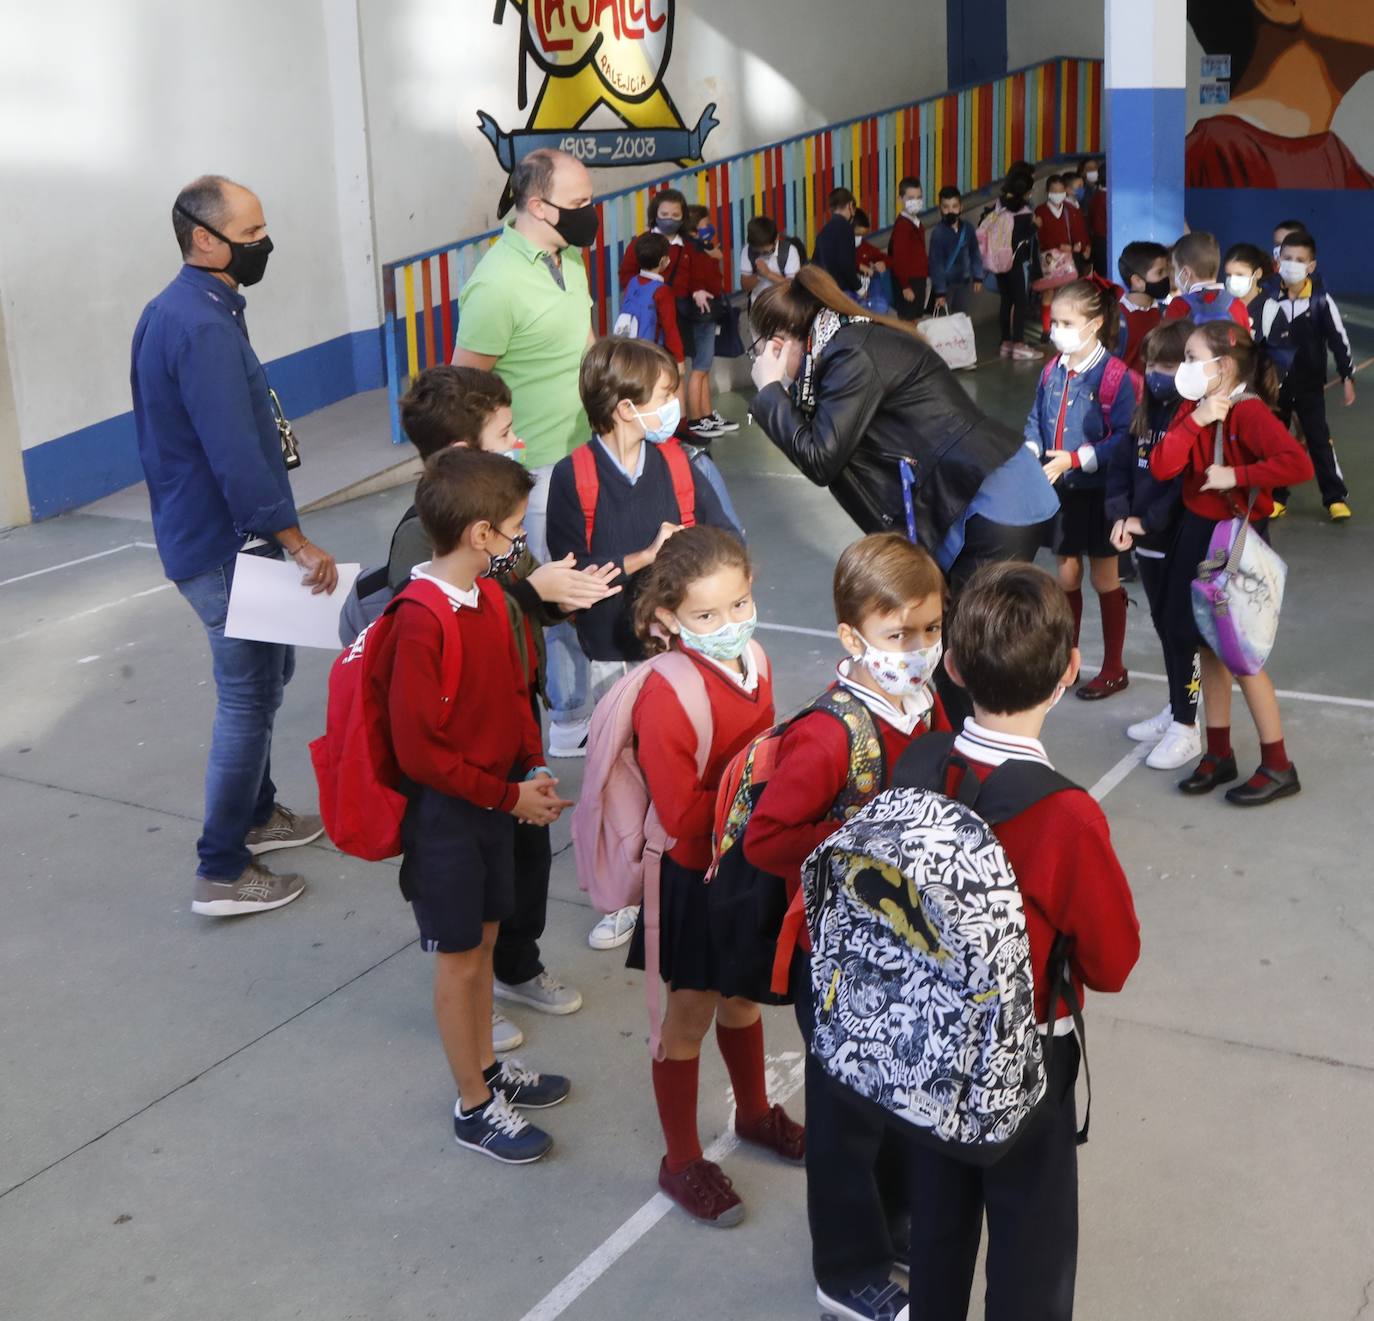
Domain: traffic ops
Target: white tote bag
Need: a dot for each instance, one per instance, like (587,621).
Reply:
(950,334)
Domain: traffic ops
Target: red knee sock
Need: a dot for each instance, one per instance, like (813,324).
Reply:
(1113,605)
(1274,757)
(742,1050)
(1218,742)
(675,1090)
(1076,605)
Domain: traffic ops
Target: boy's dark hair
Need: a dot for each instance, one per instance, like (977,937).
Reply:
(1200,253)
(907,181)
(692,217)
(861,218)
(1254,370)
(1165,343)
(882,572)
(1093,300)
(1301,239)
(1011,637)
(449,406)
(1070,175)
(617,368)
(650,250)
(1291,225)
(761,231)
(1085,161)
(1137,258)
(950,192)
(839,197)
(460,487)
(1053,179)
(664,195)
(686,556)
(1248,253)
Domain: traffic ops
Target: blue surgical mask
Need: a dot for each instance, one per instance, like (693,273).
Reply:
(1161,385)
(669,416)
(727,643)
(668,225)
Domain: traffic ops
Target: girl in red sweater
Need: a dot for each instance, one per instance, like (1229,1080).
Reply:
(1220,380)
(699,595)
(889,605)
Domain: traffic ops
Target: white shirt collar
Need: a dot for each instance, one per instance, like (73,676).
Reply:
(992,747)
(749,680)
(913,710)
(1098,354)
(631,477)
(651,275)
(457,595)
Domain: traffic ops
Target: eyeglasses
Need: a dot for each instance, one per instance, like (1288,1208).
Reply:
(753,347)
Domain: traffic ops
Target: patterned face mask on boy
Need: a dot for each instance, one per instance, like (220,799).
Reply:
(726,643)
(899,673)
(505,563)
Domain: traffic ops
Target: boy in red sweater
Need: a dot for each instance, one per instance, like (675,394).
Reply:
(906,250)
(654,255)
(889,605)
(1201,297)
(1144,270)
(469,779)
(1010,644)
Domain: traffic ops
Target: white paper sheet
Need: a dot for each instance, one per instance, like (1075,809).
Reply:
(269,604)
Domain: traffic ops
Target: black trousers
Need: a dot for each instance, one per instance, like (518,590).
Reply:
(1030,1198)
(1013,288)
(857,1167)
(1181,666)
(916,309)
(1308,401)
(516,956)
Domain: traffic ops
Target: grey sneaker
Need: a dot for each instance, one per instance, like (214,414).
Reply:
(544,993)
(505,1035)
(256,891)
(284,830)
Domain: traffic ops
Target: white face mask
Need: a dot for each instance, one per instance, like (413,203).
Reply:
(1090,176)
(1057,200)
(1292,272)
(1070,339)
(1191,379)
(899,673)
(1238,286)
(859,240)
(913,206)
(1278,247)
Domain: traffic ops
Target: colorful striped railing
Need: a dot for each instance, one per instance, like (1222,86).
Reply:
(968,136)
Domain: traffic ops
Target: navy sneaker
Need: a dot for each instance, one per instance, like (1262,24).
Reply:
(879,1301)
(497,1131)
(527,1089)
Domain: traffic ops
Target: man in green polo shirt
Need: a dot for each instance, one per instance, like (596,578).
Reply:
(526,314)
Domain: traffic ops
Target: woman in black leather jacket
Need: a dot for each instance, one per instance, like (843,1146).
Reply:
(870,400)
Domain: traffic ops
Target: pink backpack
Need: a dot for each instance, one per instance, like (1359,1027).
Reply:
(618,840)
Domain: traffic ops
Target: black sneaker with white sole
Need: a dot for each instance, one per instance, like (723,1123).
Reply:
(499,1132)
(525,1088)
(722,423)
(879,1301)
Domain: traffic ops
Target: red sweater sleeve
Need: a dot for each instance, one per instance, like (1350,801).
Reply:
(666,304)
(1177,309)
(416,713)
(1078,226)
(1240,314)
(1170,457)
(667,754)
(1281,462)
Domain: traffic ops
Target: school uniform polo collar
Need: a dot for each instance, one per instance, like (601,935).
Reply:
(460,599)
(1098,354)
(992,747)
(631,477)
(749,680)
(904,718)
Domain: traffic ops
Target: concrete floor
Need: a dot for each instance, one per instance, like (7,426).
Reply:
(250,1118)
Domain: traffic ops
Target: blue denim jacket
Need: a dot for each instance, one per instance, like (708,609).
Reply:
(1093,438)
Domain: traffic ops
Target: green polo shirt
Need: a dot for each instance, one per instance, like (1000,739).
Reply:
(513,310)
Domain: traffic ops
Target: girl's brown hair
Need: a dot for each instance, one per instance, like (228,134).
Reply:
(1226,339)
(882,572)
(693,553)
(788,307)
(1165,343)
(1093,300)
(617,368)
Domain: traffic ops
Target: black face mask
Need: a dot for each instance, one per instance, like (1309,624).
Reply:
(1157,288)
(505,563)
(576,225)
(950,218)
(247,261)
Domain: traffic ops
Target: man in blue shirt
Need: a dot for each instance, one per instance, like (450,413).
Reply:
(211,453)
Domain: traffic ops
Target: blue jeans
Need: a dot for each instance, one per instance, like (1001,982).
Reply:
(566,677)
(249,679)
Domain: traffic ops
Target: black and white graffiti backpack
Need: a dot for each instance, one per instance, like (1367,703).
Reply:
(921,966)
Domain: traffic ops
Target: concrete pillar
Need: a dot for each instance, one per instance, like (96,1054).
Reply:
(14,493)
(1145,109)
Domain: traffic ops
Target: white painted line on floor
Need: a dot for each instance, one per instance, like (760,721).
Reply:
(84,559)
(805,632)
(84,614)
(1120,771)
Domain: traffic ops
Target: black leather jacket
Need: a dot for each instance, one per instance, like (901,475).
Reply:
(881,396)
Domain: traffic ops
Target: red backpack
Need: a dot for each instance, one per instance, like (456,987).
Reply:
(589,483)
(360,801)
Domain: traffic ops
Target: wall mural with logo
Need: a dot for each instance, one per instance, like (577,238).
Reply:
(593,53)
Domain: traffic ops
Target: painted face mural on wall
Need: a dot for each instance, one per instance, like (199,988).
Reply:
(594,53)
(1291,63)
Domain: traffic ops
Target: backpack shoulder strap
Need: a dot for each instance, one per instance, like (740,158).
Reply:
(588,485)
(1114,374)
(1016,786)
(684,488)
(925,762)
(451,654)
(867,756)
(1049,369)
(690,688)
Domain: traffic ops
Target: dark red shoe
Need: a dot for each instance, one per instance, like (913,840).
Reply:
(1103,686)
(781,1135)
(704,1191)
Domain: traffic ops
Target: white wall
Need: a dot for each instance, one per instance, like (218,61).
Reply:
(106,109)
(774,69)
(1041,29)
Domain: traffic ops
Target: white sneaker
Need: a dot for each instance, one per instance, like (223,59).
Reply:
(1181,745)
(569,739)
(614,929)
(544,993)
(1153,729)
(505,1035)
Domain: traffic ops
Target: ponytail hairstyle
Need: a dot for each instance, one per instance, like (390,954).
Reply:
(689,555)
(1165,343)
(788,307)
(1226,339)
(1093,300)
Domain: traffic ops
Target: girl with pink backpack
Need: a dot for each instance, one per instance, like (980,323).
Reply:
(660,741)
